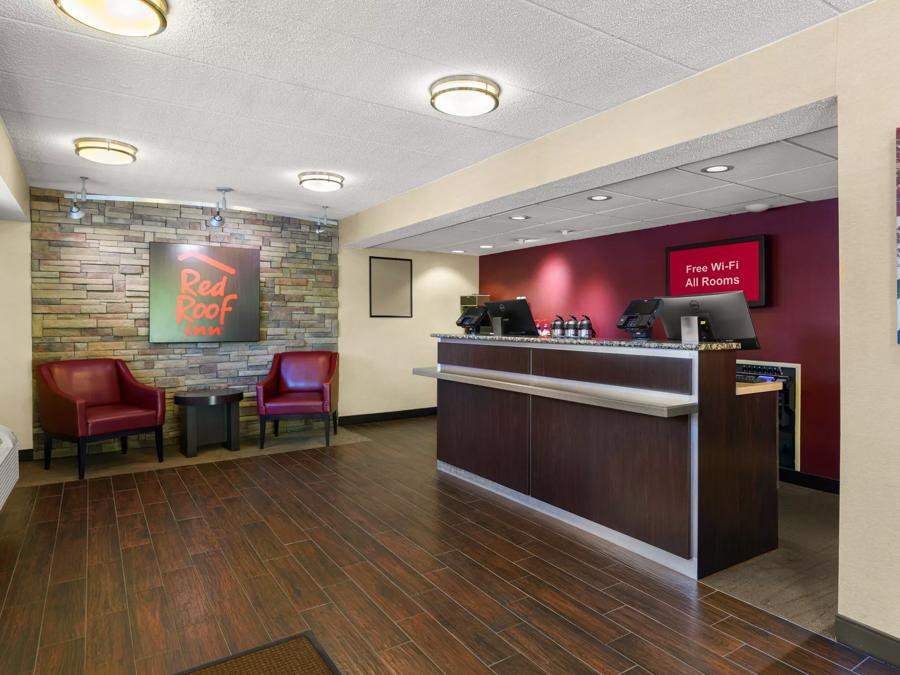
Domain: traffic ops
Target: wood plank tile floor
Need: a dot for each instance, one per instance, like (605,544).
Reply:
(395,568)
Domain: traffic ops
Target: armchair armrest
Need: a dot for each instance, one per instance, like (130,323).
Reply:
(330,387)
(268,388)
(60,414)
(140,395)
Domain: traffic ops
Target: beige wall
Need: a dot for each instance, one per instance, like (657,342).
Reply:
(378,355)
(15,331)
(853,57)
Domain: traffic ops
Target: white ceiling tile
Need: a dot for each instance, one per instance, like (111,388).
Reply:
(764,160)
(825,141)
(664,184)
(649,210)
(721,196)
(816,195)
(696,33)
(683,218)
(801,180)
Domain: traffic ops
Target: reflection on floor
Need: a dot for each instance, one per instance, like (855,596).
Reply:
(395,568)
(799,580)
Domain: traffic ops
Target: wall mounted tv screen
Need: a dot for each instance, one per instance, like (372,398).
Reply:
(718,266)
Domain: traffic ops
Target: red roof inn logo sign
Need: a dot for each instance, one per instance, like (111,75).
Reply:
(203,293)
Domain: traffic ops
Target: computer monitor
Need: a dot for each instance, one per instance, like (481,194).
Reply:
(727,313)
(515,316)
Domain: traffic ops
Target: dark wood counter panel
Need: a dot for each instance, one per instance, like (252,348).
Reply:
(699,486)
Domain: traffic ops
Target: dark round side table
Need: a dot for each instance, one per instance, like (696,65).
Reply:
(210,416)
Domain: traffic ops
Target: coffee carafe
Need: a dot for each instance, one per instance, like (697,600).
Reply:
(558,327)
(572,327)
(585,328)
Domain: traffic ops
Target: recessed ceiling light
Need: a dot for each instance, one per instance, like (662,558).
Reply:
(757,208)
(105,150)
(321,181)
(131,18)
(565,232)
(599,198)
(457,251)
(519,217)
(465,95)
(523,242)
(486,246)
(717,168)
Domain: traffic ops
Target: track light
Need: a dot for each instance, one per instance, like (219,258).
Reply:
(322,223)
(216,220)
(75,212)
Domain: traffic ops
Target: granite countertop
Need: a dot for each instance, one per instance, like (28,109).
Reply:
(636,344)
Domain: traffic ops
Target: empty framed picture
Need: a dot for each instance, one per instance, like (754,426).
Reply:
(390,287)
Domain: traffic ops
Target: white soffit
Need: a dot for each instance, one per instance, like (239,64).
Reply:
(247,94)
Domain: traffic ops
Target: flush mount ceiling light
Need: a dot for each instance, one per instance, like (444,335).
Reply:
(131,18)
(321,181)
(75,212)
(216,220)
(105,150)
(599,198)
(465,95)
(519,217)
(717,168)
(757,208)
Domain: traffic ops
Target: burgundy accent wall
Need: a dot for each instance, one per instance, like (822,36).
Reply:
(599,276)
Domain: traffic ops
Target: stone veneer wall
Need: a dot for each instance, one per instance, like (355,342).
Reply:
(90,295)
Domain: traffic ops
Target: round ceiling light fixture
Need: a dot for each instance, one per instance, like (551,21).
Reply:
(130,18)
(321,181)
(105,151)
(486,246)
(519,217)
(457,250)
(465,95)
(599,198)
(717,168)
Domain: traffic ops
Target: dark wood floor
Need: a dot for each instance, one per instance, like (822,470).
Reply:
(393,567)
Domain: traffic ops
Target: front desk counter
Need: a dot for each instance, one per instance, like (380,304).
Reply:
(650,445)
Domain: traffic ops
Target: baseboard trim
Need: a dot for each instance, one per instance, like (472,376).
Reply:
(387,416)
(26,455)
(810,481)
(870,640)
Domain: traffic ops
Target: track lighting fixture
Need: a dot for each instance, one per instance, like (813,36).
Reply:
(75,212)
(216,220)
(323,222)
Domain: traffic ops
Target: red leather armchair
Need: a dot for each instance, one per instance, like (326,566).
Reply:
(299,384)
(94,399)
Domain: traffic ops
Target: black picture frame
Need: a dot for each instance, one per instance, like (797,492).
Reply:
(760,239)
(391,316)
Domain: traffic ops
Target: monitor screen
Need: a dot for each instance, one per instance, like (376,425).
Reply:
(719,266)
(728,315)
(515,316)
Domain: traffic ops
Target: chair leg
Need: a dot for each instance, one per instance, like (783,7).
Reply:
(334,417)
(123,442)
(158,433)
(275,425)
(48,450)
(262,432)
(327,421)
(82,456)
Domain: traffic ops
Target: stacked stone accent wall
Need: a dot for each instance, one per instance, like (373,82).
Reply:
(91,284)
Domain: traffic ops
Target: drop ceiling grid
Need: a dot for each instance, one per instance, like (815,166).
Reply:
(267,89)
(812,173)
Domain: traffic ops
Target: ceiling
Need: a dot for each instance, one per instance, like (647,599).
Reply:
(247,94)
(792,171)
